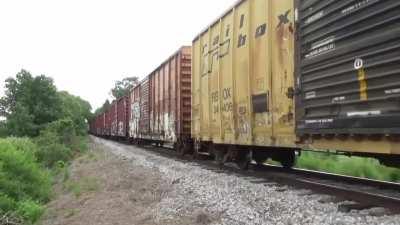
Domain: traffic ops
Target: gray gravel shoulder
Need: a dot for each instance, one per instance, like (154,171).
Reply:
(220,198)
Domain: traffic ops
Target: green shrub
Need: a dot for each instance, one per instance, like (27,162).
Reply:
(24,184)
(51,150)
(351,166)
(6,204)
(30,210)
(64,130)
(23,144)
(20,174)
(58,142)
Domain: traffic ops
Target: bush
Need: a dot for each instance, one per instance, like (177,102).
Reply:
(30,210)
(23,182)
(59,142)
(64,131)
(351,166)
(6,204)
(23,144)
(51,151)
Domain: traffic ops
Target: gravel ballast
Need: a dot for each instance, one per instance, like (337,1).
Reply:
(221,198)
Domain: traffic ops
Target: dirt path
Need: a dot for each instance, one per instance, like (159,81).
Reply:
(104,189)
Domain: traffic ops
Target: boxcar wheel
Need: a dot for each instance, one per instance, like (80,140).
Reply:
(180,149)
(288,160)
(243,160)
(220,157)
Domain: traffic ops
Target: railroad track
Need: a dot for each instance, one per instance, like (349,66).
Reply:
(364,193)
(354,193)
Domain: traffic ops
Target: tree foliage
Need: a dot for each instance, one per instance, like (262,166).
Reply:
(32,102)
(103,108)
(76,109)
(122,88)
(29,103)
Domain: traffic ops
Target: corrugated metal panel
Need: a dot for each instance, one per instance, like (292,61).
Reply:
(144,123)
(127,114)
(170,98)
(102,123)
(107,131)
(122,116)
(135,113)
(243,76)
(113,119)
(348,67)
(184,91)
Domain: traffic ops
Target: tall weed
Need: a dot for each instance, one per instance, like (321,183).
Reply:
(351,166)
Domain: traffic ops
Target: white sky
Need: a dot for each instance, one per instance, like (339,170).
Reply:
(86,45)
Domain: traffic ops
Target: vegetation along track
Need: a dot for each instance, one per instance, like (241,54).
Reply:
(355,193)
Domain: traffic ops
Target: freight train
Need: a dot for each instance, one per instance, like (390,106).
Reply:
(269,79)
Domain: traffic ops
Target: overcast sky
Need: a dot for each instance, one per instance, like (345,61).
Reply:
(86,45)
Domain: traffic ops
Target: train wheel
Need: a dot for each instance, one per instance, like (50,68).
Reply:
(220,157)
(180,149)
(288,159)
(195,155)
(244,159)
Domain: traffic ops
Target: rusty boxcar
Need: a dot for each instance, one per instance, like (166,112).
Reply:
(113,119)
(107,122)
(144,119)
(161,104)
(170,99)
(134,130)
(101,124)
(123,112)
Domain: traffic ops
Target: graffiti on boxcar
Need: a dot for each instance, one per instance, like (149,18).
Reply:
(169,127)
(114,128)
(221,48)
(283,18)
(121,129)
(134,122)
(243,127)
(285,36)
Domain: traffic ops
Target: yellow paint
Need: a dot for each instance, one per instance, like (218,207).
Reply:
(248,52)
(232,63)
(362,78)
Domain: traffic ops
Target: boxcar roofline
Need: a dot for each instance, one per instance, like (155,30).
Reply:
(235,5)
(161,65)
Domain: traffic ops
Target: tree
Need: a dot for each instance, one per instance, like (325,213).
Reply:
(103,108)
(77,110)
(122,88)
(29,104)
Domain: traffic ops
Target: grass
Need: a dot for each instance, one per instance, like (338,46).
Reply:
(82,186)
(351,166)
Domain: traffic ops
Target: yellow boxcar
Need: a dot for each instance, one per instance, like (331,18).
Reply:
(243,77)
(244,89)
